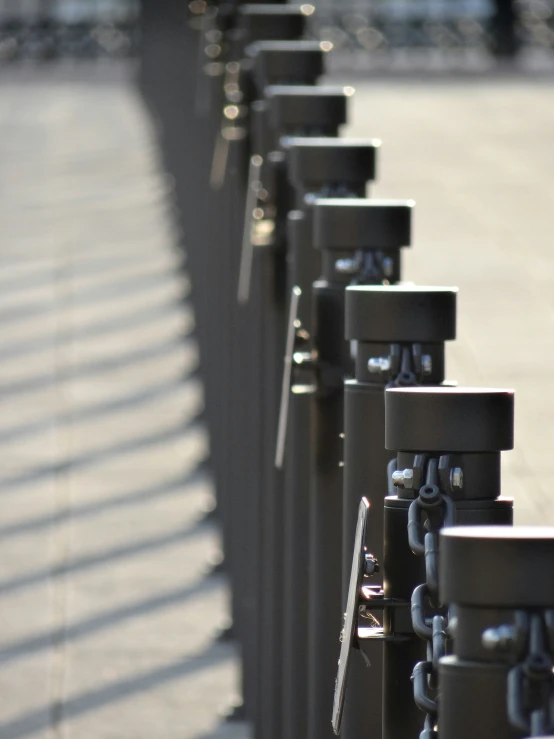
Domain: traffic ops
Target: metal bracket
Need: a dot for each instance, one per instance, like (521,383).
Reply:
(202,101)
(228,130)
(360,595)
(295,336)
(247,249)
(349,636)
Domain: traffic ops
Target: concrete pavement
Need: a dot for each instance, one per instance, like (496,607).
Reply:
(106,620)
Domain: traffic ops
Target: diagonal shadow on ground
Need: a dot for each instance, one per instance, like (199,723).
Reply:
(39,719)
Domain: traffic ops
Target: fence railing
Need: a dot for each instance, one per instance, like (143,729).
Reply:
(378,585)
(45,31)
(42,31)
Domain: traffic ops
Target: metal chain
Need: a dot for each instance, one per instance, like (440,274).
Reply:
(427,514)
(531,680)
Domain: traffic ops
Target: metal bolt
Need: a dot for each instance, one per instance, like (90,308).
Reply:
(457,478)
(378,364)
(388,266)
(403,478)
(426,364)
(346,266)
(371,566)
(498,638)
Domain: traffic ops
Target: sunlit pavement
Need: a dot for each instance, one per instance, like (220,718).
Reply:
(106,618)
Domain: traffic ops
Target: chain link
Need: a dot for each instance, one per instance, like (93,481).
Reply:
(531,680)
(427,514)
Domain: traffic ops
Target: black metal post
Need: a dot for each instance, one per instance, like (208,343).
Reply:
(316,167)
(498,681)
(505,41)
(353,250)
(448,441)
(268,62)
(290,110)
(397,335)
(231,346)
(215,302)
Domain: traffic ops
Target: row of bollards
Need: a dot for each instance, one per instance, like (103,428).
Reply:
(321,365)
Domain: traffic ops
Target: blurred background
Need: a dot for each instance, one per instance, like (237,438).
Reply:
(107,616)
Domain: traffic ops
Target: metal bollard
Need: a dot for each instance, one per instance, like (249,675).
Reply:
(290,110)
(450,476)
(236,28)
(316,167)
(268,63)
(232,354)
(498,586)
(354,250)
(397,334)
(448,473)
(254,24)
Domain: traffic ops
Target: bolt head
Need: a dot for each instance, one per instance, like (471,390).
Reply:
(426,364)
(371,566)
(388,266)
(398,479)
(346,266)
(498,638)
(378,364)
(457,478)
(403,478)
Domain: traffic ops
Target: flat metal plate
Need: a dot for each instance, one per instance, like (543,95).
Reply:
(247,254)
(349,632)
(287,377)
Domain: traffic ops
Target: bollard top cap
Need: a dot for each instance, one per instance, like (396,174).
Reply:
(304,9)
(515,566)
(298,109)
(358,223)
(449,419)
(400,313)
(287,62)
(313,162)
(266,22)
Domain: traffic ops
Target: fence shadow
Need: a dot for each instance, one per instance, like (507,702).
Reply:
(102,429)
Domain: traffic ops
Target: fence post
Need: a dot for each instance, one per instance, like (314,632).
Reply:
(498,681)
(317,166)
(448,442)
(230,347)
(354,249)
(290,110)
(505,43)
(268,62)
(397,335)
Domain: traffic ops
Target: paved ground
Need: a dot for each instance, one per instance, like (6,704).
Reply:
(106,621)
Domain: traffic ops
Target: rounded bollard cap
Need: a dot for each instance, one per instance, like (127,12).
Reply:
(295,108)
(266,22)
(357,223)
(514,566)
(400,313)
(287,62)
(449,419)
(319,160)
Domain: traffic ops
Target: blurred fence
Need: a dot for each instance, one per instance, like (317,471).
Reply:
(44,30)
(369,29)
